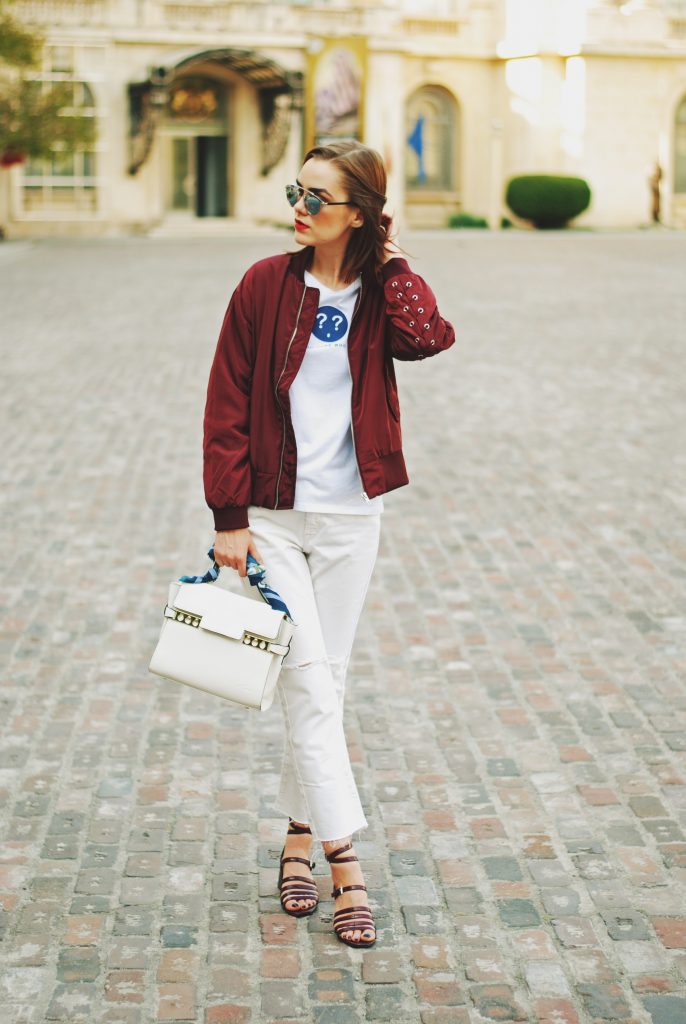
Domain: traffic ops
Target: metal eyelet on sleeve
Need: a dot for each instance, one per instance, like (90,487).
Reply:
(420,309)
(415,297)
(417,340)
(394,285)
(400,295)
(406,309)
(433,341)
(411,323)
(408,284)
(427,326)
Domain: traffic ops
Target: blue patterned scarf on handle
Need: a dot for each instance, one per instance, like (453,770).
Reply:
(256,574)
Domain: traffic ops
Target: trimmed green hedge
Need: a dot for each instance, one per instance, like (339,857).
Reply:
(547,200)
(466,220)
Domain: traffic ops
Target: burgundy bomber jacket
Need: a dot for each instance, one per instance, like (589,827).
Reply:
(249,448)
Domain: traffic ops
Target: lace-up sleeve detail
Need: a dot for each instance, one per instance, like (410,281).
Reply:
(415,328)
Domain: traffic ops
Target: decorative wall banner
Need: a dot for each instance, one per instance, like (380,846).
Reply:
(335,89)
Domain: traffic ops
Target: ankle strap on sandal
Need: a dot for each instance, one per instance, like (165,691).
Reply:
(296,830)
(336,892)
(301,860)
(334,856)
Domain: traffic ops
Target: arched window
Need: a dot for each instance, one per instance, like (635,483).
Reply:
(680,148)
(430,132)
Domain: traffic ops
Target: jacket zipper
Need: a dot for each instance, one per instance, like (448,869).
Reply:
(352,429)
(276,395)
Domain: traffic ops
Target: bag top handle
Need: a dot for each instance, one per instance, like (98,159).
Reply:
(256,574)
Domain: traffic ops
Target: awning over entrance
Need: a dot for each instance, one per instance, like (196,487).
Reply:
(279,92)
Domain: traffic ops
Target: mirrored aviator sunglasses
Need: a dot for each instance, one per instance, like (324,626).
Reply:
(313,203)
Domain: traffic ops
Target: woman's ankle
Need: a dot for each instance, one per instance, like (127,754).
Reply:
(331,845)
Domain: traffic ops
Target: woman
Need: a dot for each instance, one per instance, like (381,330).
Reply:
(302,438)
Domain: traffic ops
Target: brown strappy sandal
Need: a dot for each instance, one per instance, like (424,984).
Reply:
(297,887)
(350,919)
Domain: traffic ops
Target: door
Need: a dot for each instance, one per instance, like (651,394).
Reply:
(183,174)
(198,183)
(211,175)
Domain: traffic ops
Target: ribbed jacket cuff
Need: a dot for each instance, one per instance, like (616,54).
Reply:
(233,518)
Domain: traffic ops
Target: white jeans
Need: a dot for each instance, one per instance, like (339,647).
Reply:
(320,563)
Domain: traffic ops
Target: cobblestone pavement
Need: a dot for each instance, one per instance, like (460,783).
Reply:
(516,711)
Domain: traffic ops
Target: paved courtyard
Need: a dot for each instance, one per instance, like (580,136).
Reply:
(516,709)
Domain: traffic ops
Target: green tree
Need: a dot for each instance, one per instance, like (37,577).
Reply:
(36,118)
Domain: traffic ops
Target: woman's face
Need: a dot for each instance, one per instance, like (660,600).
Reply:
(333,224)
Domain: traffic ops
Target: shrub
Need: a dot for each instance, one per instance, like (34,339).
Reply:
(466,220)
(547,200)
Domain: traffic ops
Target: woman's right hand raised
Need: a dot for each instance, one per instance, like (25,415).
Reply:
(231,548)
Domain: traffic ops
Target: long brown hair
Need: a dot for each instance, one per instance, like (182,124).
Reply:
(363,176)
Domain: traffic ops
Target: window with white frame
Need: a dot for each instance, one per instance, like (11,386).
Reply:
(430,131)
(66,181)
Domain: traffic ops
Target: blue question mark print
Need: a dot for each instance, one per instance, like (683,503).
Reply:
(330,324)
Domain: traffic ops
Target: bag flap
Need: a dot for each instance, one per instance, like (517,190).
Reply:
(222,611)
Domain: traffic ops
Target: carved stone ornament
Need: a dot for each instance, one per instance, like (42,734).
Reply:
(280,93)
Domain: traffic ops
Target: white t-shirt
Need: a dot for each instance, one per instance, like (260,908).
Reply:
(327,478)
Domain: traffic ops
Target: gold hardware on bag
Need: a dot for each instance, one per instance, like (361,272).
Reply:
(255,641)
(190,620)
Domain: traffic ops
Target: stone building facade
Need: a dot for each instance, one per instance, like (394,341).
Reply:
(200,107)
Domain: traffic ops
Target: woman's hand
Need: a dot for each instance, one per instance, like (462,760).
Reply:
(231,547)
(390,248)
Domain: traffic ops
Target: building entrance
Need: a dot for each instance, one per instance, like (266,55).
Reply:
(198,182)
(196,149)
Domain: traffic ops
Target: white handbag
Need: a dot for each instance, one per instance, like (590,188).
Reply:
(221,642)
